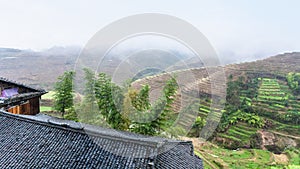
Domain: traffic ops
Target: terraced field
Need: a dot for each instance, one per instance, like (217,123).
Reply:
(239,135)
(216,157)
(275,96)
(272,100)
(268,96)
(191,83)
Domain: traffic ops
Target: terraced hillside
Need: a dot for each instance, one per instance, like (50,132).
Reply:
(198,81)
(192,83)
(267,116)
(215,157)
(259,121)
(265,105)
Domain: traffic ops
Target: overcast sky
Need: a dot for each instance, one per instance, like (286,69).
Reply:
(242,28)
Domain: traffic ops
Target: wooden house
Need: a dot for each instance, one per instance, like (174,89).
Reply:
(18,98)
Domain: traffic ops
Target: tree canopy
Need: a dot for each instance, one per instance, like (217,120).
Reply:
(64,95)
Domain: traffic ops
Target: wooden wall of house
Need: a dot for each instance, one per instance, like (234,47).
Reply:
(31,107)
(34,105)
(20,109)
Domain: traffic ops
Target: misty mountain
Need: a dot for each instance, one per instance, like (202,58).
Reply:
(36,68)
(41,68)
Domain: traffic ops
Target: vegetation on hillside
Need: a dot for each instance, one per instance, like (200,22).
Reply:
(154,117)
(119,107)
(257,102)
(215,156)
(254,104)
(293,80)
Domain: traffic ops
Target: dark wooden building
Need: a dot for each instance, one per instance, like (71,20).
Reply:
(18,98)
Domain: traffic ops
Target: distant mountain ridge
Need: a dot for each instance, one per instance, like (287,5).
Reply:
(42,68)
(9,50)
(38,69)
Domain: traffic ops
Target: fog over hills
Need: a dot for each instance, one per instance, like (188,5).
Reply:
(41,68)
(36,68)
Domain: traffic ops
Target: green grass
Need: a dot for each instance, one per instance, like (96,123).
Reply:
(234,132)
(269,90)
(247,99)
(48,95)
(294,156)
(243,158)
(270,98)
(205,110)
(224,135)
(246,131)
(53,113)
(205,107)
(45,108)
(240,132)
(278,105)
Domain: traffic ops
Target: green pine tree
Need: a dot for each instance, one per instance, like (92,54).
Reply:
(63,97)
(88,109)
(110,98)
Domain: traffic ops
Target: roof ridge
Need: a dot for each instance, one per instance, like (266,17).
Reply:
(19,97)
(92,130)
(21,84)
(39,146)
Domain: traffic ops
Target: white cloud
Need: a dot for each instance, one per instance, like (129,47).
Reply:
(241,27)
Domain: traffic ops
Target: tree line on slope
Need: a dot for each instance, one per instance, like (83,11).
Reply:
(119,107)
(293,80)
(237,108)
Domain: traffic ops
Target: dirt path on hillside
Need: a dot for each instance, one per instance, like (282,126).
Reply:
(281,159)
(206,155)
(286,135)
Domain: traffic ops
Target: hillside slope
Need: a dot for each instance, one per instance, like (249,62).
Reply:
(261,110)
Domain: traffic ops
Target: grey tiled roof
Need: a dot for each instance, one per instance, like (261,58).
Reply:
(19,97)
(32,93)
(22,85)
(32,143)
